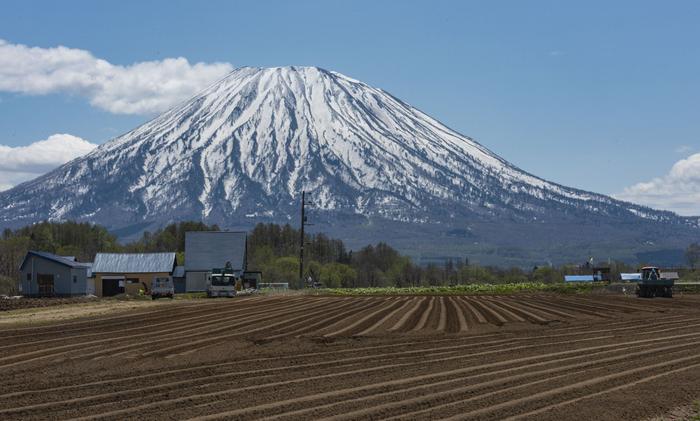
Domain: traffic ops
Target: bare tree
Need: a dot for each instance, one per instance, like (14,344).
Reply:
(692,254)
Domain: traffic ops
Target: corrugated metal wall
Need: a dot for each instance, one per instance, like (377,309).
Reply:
(63,282)
(207,250)
(196,281)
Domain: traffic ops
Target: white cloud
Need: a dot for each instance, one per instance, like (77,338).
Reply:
(22,163)
(141,88)
(679,190)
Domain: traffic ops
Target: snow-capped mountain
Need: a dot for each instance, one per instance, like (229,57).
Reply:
(245,148)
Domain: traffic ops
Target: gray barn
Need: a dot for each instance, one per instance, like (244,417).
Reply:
(45,275)
(205,250)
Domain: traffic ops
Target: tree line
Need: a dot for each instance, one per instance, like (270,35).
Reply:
(274,250)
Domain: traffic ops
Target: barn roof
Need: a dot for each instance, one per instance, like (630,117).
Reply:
(669,275)
(134,263)
(52,257)
(205,250)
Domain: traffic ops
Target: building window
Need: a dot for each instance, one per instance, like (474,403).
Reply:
(75,279)
(29,277)
(133,281)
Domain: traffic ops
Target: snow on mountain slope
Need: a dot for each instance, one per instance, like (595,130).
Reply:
(248,145)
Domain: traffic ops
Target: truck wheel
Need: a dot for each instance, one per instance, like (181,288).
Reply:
(153,297)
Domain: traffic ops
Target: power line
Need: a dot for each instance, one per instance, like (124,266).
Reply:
(302,238)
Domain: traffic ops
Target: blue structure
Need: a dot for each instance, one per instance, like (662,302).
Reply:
(48,275)
(631,276)
(179,279)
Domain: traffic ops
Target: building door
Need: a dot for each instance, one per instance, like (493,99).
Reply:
(110,287)
(45,284)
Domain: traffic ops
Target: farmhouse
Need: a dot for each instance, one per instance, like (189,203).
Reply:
(206,250)
(127,273)
(44,275)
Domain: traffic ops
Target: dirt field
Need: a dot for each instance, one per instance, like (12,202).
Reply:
(7,304)
(46,311)
(536,357)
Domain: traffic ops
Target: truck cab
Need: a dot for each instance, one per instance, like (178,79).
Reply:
(162,287)
(222,283)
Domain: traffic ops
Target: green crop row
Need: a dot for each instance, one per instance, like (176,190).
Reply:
(511,288)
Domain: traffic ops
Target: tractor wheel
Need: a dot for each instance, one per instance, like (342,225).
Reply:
(645,291)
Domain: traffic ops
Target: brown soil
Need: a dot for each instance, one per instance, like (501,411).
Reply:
(536,357)
(683,413)
(7,304)
(79,309)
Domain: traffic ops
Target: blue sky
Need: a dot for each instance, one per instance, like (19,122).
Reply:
(597,95)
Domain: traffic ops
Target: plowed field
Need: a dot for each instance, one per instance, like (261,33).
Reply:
(537,357)
(7,304)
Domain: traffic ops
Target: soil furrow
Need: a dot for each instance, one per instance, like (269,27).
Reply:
(287,357)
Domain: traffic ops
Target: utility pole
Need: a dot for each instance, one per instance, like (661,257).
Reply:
(302,239)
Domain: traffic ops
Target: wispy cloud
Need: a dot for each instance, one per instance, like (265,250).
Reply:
(22,163)
(679,190)
(141,88)
(684,149)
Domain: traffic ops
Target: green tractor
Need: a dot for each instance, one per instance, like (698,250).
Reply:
(652,284)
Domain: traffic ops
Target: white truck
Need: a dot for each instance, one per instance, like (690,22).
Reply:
(162,287)
(221,282)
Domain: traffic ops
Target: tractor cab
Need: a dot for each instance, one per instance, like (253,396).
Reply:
(651,273)
(652,283)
